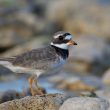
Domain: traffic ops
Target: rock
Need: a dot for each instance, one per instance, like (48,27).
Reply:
(71,82)
(80,17)
(91,55)
(75,86)
(79,86)
(13,33)
(93,81)
(85,103)
(19,28)
(13,94)
(91,47)
(106,78)
(88,94)
(34,23)
(105,94)
(9,95)
(46,102)
(27,46)
(63,77)
(8,38)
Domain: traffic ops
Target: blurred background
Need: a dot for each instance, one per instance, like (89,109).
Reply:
(28,24)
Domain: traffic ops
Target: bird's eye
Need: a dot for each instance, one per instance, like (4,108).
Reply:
(60,37)
(66,34)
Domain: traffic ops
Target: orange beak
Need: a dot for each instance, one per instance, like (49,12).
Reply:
(71,42)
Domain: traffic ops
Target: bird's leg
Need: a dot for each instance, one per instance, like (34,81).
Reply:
(39,91)
(30,80)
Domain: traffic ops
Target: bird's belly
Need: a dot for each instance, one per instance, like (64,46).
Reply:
(55,67)
(50,67)
(58,64)
(18,69)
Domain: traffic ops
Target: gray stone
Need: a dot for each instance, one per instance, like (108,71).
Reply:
(105,94)
(85,103)
(90,49)
(91,53)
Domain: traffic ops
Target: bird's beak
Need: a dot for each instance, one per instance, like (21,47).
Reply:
(71,42)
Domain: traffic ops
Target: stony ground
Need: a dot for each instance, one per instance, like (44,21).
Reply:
(29,24)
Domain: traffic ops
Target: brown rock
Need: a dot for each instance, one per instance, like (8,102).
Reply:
(46,102)
(80,17)
(79,86)
(27,46)
(74,84)
(106,77)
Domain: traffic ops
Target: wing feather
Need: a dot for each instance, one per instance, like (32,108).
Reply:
(38,58)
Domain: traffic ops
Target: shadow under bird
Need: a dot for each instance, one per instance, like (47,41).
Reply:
(39,61)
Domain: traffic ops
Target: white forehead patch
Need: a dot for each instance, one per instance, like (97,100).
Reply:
(57,36)
(68,37)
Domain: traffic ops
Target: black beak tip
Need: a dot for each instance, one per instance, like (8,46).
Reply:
(75,43)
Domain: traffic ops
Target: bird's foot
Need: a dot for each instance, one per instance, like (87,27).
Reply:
(39,90)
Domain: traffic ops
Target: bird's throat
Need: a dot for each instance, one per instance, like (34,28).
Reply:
(64,53)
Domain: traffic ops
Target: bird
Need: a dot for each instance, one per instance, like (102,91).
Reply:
(41,60)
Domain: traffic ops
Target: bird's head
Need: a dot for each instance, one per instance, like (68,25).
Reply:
(63,40)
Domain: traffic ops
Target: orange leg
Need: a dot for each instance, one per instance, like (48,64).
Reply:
(30,80)
(39,91)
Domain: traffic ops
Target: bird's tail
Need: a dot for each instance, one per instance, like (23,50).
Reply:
(6,61)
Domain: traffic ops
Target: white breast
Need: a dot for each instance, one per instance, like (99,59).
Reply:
(59,62)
